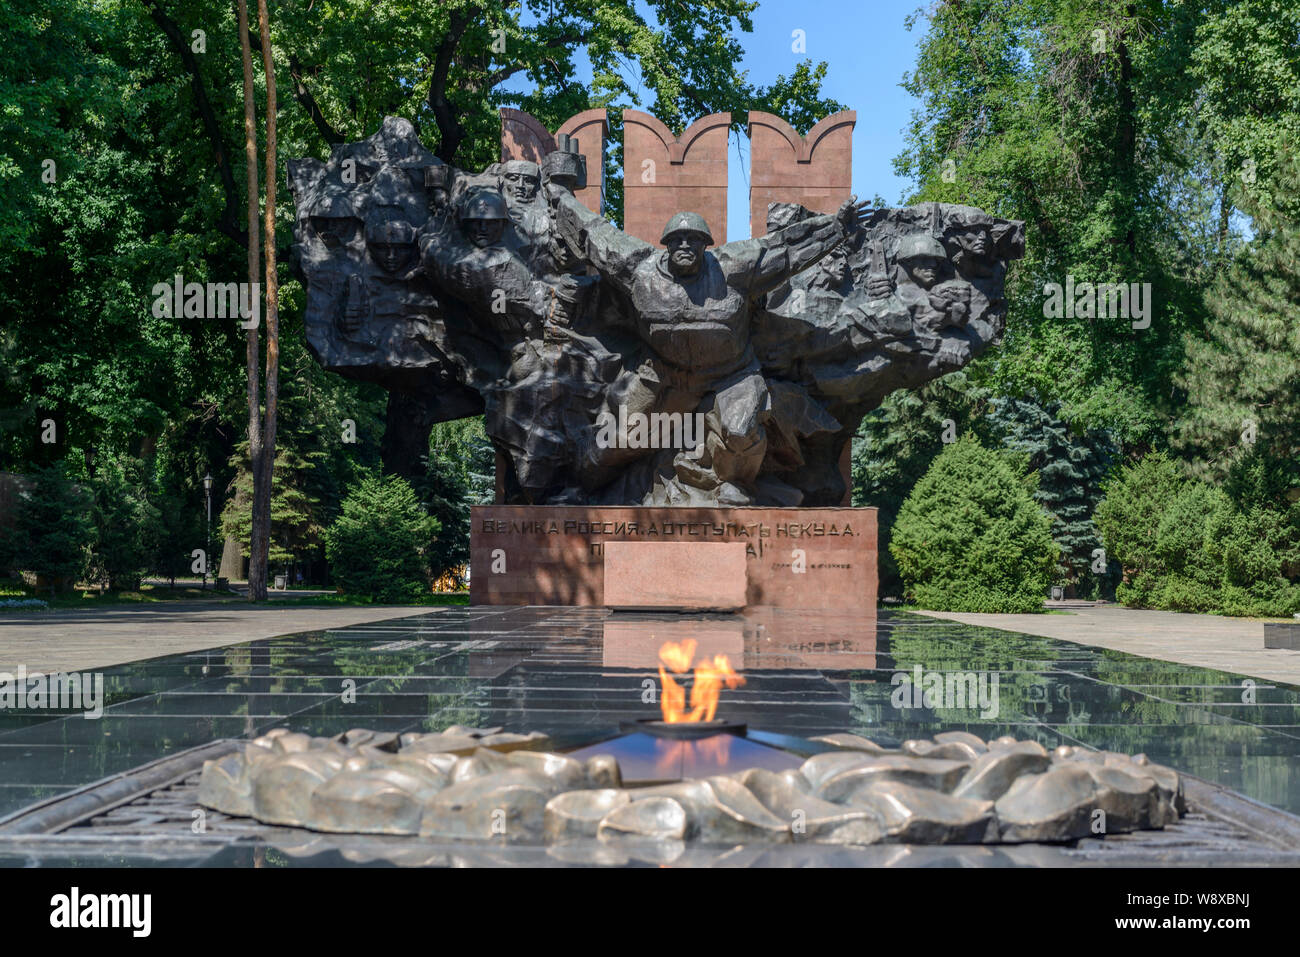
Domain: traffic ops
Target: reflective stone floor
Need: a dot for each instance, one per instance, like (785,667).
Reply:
(576,673)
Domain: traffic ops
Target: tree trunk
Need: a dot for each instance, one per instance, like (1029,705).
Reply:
(266,464)
(254,263)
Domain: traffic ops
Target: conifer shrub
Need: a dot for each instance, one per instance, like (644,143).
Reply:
(970,536)
(1184,546)
(377,546)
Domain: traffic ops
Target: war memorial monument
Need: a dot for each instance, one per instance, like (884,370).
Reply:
(649,399)
(671,417)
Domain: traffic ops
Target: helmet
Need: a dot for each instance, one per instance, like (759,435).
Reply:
(687,223)
(521,166)
(483,204)
(387,226)
(333,205)
(920,245)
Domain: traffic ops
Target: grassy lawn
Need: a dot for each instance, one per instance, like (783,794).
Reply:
(434,598)
(95,598)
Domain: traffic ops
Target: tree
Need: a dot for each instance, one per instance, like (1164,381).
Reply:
(1185,547)
(148,180)
(378,544)
(1075,117)
(127,525)
(53,530)
(295,530)
(1245,66)
(447,68)
(970,536)
(265,462)
(1243,377)
(1071,468)
(458,474)
(896,444)
(181,528)
(257,494)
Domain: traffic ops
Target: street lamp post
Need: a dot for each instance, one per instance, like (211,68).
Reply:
(207,544)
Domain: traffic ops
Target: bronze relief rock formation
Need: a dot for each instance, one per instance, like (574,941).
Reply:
(614,371)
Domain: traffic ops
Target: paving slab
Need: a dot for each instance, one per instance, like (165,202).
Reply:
(84,639)
(1207,641)
(578,674)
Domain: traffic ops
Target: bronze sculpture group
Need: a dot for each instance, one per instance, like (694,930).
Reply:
(500,293)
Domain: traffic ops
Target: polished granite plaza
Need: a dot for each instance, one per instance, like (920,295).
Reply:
(576,673)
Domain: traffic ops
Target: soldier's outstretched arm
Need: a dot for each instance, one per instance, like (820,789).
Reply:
(760,265)
(597,241)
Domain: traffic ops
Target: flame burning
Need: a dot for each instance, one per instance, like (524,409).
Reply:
(710,676)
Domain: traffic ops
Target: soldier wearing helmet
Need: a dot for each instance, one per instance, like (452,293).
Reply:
(387,305)
(334,220)
(390,239)
(932,302)
(477,267)
(970,241)
(922,257)
(693,307)
(685,238)
(483,217)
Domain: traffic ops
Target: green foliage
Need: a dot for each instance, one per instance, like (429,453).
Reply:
(378,544)
(53,530)
(896,443)
(458,473)
(148,181)
(127,526)
(314,462)
(1070,470)
(1246,67)
(181,529)
(1075,118)
(1185,547)
(970,536)
(295,523)
(1243,378)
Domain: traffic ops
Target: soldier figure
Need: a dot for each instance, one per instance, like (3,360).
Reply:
(480,270)
(972,250)
(519,182)
(693,308)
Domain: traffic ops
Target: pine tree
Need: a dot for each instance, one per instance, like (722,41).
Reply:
(1071,468)
(970,536)
(181,530)
(1243,379)
(378,544)
(459,472)
(53,530)
(296,526)
(127,525)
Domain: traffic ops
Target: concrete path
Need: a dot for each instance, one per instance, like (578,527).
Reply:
(86,639)
(1209,641)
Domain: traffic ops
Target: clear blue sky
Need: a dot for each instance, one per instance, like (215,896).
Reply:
(867,50)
